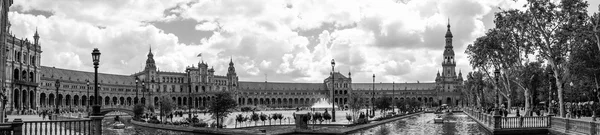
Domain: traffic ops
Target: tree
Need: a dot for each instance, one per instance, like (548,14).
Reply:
(279,116)
(552,30)
(349,118)
(318,117)
(221,107)
(254,117)
(384,103)
(238,119)
(326,115)
(166,107)
(274,117)
(138,110)
(528,78)
(263,117)
(151,108)
(356,103)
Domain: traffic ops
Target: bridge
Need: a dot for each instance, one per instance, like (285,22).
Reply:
(499,125)
(125,109)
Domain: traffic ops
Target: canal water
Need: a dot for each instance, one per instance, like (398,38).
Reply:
(455,124)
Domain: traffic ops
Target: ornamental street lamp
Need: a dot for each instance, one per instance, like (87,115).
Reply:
(189,96)
(373,97)
(87,83)
(96,60)
(143,91)
(136,89)
(333,90)
(57,84)
(550,110)
(393,97)
(497,109)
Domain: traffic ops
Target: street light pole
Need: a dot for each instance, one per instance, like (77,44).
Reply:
(497,108)
(190,97)
(136,89)
(373,98)
(550,74)
(87,83)
(96,59)
(393,97)
(143,91)
(333,90)
(57,84)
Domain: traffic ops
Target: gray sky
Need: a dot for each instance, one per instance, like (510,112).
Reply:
(286,40)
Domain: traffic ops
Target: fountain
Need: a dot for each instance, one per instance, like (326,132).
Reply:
(322,104)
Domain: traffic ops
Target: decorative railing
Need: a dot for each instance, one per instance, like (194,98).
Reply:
(55,127)
(566,125)
(525,122)
(58,127)
(490,121)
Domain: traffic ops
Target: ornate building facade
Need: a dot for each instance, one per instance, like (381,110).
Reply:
(33,86)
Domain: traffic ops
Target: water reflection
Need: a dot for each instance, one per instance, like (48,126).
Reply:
(459,124)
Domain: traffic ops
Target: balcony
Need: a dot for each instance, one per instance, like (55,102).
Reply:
(28,83)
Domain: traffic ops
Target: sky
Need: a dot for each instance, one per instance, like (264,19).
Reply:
(273,40)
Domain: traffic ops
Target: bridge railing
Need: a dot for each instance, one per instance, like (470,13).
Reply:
(566,125)
(509,122)
(54,127)
(58,127)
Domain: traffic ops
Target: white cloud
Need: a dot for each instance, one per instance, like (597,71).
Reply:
(398,42)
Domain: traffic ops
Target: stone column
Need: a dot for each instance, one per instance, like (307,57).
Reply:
(97,124)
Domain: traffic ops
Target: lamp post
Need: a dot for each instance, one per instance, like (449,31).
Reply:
(497,108)
(57,84)
(136,88)
(96,59)
(189,97)
(393,97)
(550,110)
(87,83)
(333,90)
(373,97)
(143,91)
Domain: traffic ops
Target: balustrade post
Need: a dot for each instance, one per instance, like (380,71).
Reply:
(550,120)
(97,122)
(592,128)
(497,122)
(17,126)
(566,124)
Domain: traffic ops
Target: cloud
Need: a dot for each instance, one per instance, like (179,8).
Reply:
(292,40)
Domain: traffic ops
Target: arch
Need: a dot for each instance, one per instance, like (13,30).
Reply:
(107,100)
(115,101)
(129,101)
(449,101)
(143,100)
(42,99)
(419,99)
(67,100)
(196,88)
(203,89)
(301,101)
(136,100)
(156,101)
(256,101)
(84,100)
(24,99)
(430,99)
(31,77)
(60,99)
(51,100)
(23,75)
(261,101)
(32,99)
(92,100)
(278,101)
(16,74)
(296,101)
(76,100)
(122,101)
(179,101)
(184,101)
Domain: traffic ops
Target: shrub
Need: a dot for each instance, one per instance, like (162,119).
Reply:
(116,118)
(200,124)
(384,130)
